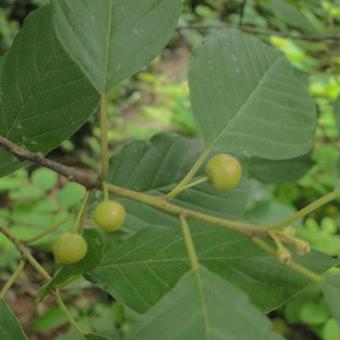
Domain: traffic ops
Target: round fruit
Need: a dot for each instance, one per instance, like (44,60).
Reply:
(69,248)
(109,215)
(224,172)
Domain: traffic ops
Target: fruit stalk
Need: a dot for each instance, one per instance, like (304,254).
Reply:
(25,254)
(305,211)
(298,268)
(189,243)
(190,175)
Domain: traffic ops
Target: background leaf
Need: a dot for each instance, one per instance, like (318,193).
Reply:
(45,97)
(113,39)
(331,291)
(155,167)
(273,117)
(292,16)
(203,306)
(9,326)
(151,262)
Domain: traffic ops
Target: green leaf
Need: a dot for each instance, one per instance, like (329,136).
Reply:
(9,326)
(331,330)
(113,39)
(155,167)
(159,256)
(203,306)
(52,319)
(314,313)
(331,290)
(71,195)
(270,171)
(46,98)
(45,179)
(247,99)
(89,262)
(292,16)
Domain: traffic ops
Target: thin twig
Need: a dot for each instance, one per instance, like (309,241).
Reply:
(190,175)
(25,254)
(38,158)
(162,204)
(49,230)
(305,211)
(12,279)
(314,277)
(67,313)
(80,220)
(159,202)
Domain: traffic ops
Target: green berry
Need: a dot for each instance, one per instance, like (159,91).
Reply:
(224,172)
(109,215)
(69,248)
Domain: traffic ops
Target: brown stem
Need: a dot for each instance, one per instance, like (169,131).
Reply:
(38,158)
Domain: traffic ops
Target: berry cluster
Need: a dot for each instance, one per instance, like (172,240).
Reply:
(223,173)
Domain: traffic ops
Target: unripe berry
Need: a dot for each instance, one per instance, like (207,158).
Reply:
(302,247)
(224,172)
(109,215)
(284,255)
(69,248)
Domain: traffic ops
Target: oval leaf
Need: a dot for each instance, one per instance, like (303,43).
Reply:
(45,96)
(246,98)
(113,39)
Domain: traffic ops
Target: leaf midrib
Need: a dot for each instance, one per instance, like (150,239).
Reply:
(202,299)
